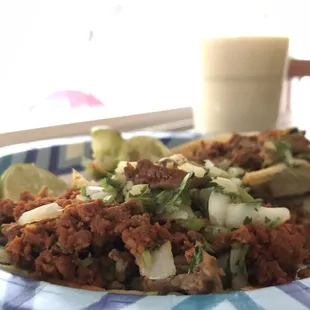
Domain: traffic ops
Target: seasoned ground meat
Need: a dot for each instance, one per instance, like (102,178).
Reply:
(274,255)
(158,176)
(6,211)
(89,243)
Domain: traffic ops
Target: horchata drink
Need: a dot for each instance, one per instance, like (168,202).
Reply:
(242,83)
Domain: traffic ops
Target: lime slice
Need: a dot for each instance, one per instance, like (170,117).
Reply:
(106,144)
(28,177)
(143,147)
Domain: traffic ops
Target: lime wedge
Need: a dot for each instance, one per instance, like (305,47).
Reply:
(106,144)
(28,177)
(143,147)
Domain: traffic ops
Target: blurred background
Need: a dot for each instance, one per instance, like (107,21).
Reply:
(132,64)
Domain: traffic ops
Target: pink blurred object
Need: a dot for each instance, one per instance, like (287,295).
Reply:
(76,98)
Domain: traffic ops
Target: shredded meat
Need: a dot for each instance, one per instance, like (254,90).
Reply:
(274,255)
(248,152)
(205,279)
(158,176)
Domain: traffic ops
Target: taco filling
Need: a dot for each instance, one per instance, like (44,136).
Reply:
(252,152)
(171,226)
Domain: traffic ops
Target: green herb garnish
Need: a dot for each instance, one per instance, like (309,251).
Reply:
(207,246)
(275,222)
(192,223)
(293,130)
(247,198)
(87,261)
(267,220)
(283,151)
(109,180)
(247,220)
(173,200)
(196,258)
(83,191)
(109,199)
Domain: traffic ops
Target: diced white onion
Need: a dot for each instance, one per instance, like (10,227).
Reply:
(208,164)
(227,185)
(199,171)
(138,189)
(235,172)
(237,181)
(176,215)
(162,265)
(45,212)
(218,204)
(177,159)
(215,171)
(267,216)
(120,169)
(239,214)
(128,186)
(91,190)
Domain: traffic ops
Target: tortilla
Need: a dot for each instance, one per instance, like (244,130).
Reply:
(23,273)
(280,180)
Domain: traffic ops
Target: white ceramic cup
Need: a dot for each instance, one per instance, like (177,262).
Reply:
(242,83)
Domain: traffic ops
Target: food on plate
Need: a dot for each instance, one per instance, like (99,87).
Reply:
(109,148)
(273,163)
(169,226)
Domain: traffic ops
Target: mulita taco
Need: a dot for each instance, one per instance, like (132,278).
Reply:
(274,164)
(170,226)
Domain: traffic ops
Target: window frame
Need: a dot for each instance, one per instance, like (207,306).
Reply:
(164,120)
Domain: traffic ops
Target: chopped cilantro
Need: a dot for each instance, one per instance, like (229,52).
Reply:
(172,200)
(193,223)
(83,191)
(108,199)
(275,222)
(198,254)
(247,198)
(87,261)
(109,181)
(293,130)
(267,220)
(207,246)
(196,258)
(247,220)
(283,151)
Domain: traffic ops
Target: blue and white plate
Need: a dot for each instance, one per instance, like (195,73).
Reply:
(60,156)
